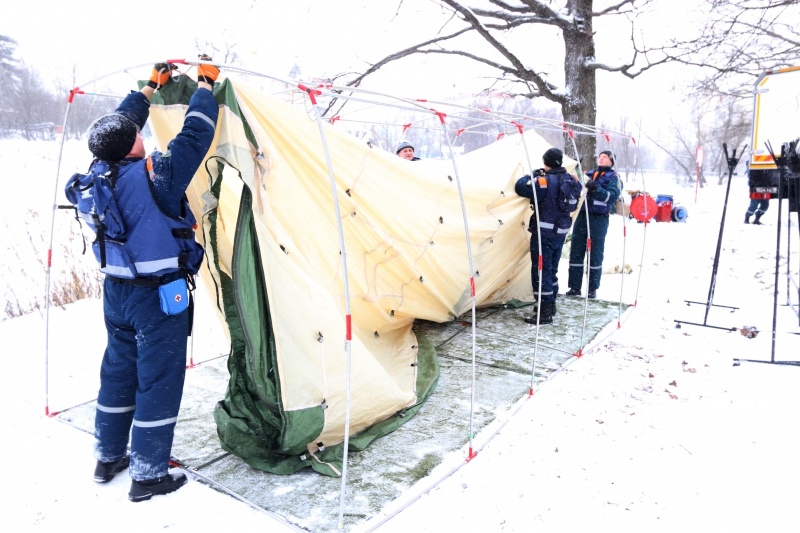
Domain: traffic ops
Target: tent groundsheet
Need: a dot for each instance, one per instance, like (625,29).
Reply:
(392,470)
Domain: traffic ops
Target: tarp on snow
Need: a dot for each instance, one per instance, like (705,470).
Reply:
(274,266)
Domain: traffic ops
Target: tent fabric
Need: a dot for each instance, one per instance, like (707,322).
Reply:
(274,268)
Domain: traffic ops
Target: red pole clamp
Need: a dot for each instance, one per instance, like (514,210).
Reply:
(472,286)
(72,94)
(632,139)
(519,126)
(607,136)
(312,93)
(439,114)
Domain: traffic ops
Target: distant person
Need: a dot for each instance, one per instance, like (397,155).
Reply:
(406,150)
(759,203)
(144,365)
(554,224)
(602,191)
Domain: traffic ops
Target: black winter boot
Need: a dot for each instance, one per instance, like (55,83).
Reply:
(573,292)
(747,218)
(548,309)
(144,490)
(757,220)
(105,472)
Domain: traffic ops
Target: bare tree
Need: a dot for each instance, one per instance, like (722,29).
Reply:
(85,108)
(740,40)
(224,54)
(10,71)
(713,120)
(574,22)
(33,104)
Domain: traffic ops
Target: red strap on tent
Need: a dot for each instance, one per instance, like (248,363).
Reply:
(312,93)
(421,100)
(459,132)
(405,127)
(472,285)
(589,244)
(607,136)
(571,133)
(500,135)
(335,118)
(541,263)
(349,326)
(632,139)
(519,126)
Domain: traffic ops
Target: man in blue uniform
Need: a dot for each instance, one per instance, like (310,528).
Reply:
(602,191)
(759,203)
(553,223)
(143,368)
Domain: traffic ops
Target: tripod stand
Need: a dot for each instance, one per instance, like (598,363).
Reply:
(782,163)
(732,162)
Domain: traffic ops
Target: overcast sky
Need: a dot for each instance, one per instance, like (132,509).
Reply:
(324,37)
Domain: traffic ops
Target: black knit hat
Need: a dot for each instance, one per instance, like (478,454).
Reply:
(610,155)
(553,157)
(112,137)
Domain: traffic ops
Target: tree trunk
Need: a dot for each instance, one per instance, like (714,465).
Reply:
(580,106)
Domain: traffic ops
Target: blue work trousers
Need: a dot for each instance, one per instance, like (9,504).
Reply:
(551,254)
(141,379)
(597,230)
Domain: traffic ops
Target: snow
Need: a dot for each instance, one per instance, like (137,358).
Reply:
(653,430)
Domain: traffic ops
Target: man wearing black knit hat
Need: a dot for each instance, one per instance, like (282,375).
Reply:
(149,256)
(602,191)
(550,222)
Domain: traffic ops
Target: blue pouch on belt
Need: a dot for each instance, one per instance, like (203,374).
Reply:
(174,297)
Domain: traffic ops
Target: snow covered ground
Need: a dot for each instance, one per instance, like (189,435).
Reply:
(656,430)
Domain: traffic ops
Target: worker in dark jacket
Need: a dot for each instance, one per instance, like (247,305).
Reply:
(143,368)
(553,224)
(602,191)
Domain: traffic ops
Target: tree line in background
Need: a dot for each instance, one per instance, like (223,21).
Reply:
(31,110)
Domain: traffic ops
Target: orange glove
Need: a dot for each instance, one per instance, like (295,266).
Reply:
(161,73)
(207,73)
